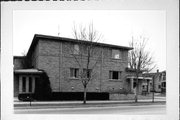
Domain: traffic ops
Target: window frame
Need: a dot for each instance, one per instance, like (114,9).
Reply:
(76,50)
(74,73)
(113,56)
(111,75)
(89,72)
(159,86)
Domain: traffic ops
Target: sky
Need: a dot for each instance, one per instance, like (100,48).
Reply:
(117,27)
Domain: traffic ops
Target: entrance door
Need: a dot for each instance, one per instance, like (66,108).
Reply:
(26,84)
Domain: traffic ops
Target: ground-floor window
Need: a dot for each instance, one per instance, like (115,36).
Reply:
(87,73)
(115,75)
(74,72)
(159,86)
(134,84)
(164,84)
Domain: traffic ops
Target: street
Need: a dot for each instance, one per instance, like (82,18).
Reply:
(144,109)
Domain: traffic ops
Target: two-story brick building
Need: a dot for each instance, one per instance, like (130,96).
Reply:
(54,56)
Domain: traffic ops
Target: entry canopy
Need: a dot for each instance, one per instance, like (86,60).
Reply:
(28,71)
(140,78)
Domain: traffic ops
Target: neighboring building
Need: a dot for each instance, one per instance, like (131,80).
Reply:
(159,81)
(143,81)
(52,55)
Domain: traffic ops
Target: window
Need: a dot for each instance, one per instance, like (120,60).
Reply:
(87,73)
(159,86)
(24,84)
(76,49)
(159,77)
(134,84)
(164,77)
(30,84)
(116,54)
(114,75)
(163,84)
(74,72)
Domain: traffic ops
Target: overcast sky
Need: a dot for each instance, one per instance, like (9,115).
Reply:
(117,27)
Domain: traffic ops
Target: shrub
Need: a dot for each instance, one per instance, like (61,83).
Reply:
(43,89)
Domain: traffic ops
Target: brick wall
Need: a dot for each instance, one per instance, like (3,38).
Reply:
(56,59)
(16,86)
(18,62)
(34,56)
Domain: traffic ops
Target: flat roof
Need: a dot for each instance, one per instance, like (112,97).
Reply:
(63,39)
(27,71)
(142,78)
(19,57)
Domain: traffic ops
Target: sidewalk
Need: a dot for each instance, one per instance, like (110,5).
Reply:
(18,103)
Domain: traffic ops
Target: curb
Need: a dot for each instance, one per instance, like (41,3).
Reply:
(95,104)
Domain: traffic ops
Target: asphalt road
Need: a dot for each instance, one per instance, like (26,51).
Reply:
(118,109)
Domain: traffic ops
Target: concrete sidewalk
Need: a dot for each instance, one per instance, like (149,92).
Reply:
(76,103)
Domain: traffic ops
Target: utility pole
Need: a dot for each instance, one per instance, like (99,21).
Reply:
(153,89)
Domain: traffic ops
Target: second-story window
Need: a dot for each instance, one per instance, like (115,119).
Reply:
(116,54)
(74,72)
(76,49)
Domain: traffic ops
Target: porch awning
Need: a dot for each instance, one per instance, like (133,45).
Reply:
(140,78)
(28,71)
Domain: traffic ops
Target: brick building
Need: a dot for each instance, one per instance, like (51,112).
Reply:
(53,56)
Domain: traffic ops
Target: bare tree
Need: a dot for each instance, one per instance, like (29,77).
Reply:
(140,60)
(85,54)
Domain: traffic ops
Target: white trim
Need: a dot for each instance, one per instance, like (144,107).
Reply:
(143,78)
(20,84)
(33,84)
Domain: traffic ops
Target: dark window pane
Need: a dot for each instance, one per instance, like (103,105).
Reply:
(30,84)
(24,84)
(87,73)
(74,72)
(115,75)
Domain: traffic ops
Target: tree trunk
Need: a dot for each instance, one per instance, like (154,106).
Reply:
(136,95)
(84,102)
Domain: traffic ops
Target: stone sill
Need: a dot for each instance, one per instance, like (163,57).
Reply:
(116,58)
(26,92)
(73,78)
(112,80)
